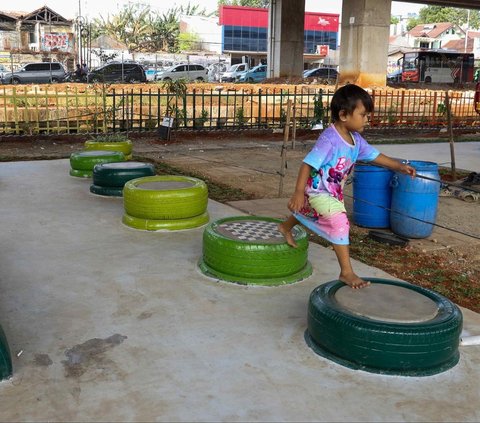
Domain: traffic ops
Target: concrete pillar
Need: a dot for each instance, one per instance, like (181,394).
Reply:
(285,38)
(364,42)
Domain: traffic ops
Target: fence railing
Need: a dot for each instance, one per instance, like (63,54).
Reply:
(86,109)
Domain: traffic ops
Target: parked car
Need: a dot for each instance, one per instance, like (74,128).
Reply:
(321,73)
(118,72)
(3,70)
(216,70)
(233,72)
(256,74)
(183,71)
(36,73)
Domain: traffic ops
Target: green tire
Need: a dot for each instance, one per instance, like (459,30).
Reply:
(106,191)
(118,174)
(169,225)
(248,261)
(6,368)
(420,348)
(86,160)
(81,173)
(165,197)
(124,147)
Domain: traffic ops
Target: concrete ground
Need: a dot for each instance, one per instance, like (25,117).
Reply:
(107,323)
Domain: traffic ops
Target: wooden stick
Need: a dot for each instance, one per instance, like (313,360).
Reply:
(286,133)
(294,126)
(450,135)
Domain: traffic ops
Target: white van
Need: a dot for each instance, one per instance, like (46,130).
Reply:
(234,71)
(183,71)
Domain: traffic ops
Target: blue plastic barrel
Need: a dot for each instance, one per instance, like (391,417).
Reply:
(371,196)
(415,201)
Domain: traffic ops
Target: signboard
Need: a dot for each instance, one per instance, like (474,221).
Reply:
(55,41)
(322,50)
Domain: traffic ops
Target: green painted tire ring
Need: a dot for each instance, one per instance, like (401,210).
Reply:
(81,173)
(165,204)
(170,224)
(6,368)
(250,262)
(407,349)
(106,191)
(118,174)
(86,160)
(124,147)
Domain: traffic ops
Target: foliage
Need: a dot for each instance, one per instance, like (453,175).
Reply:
(111,138)
(188,41)
(240,118)
(454,15)
(104,57)
(318,109)
(394,20)
(177,88)
(249,3)
(142,29)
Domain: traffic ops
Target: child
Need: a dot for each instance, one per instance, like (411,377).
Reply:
(322,175)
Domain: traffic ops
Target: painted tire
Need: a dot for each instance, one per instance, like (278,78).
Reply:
(415,347)
(86,160)
(81,173)
(168,224)
(118,174)
(106,191)
(165,197)
(124,147)
(251,250)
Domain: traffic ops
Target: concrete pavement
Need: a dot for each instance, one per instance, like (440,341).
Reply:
(107,323)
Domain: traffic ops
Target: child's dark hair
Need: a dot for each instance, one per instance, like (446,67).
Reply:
(346,98)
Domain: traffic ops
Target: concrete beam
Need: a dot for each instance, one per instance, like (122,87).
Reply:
(364,42)
(468,4)
(285,38)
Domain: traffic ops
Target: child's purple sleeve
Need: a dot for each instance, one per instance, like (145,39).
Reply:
(321,152)
(366,152)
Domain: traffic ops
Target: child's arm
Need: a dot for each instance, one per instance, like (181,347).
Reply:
(386,161)
(296,201)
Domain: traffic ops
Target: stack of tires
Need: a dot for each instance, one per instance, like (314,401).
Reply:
(110,178)
(83,162)
(124,147)
(155,203)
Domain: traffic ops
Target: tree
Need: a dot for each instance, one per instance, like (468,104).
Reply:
(188,41)
(394,20)
(454,15)
(249,3)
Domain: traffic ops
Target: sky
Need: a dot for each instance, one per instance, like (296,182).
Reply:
(93,8)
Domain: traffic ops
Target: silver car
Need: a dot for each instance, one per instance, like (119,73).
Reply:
(183,71)
(34,73)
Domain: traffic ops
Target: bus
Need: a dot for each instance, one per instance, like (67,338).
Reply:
(437,66)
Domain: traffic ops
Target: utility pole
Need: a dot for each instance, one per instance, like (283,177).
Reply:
(466,31)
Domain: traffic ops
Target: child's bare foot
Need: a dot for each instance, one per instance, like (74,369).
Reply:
(288,235)
(353,280)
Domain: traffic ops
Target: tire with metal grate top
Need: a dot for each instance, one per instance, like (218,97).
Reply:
(251,250)
(390,327)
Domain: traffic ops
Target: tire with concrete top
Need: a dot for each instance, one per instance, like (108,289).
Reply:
(165,202)
(251,250)
(110,178)
(83,162)
(124,147)
(390,327)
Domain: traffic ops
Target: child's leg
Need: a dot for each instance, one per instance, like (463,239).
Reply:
(286,229)
(347,274)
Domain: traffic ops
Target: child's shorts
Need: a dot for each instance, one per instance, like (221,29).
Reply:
(329,220)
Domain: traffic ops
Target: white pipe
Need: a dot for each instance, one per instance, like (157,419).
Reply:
(470,340)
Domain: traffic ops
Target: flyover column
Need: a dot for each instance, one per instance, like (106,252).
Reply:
(364,41)
(285,38)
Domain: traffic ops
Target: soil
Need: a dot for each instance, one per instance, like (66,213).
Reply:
(246,165)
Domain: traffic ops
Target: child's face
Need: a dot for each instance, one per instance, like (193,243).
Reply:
(356,121)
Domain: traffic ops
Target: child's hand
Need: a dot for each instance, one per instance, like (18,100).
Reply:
(408,170)
(296,202)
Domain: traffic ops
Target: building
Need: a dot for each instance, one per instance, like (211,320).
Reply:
(206,31)
(41,35)
(434,35)
(244,32)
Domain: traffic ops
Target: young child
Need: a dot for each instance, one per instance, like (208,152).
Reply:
(322,175)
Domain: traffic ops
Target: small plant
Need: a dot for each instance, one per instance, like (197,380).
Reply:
(111,138)
(240,118)
(319,115)
(283,117)
(391,115)
(200,121)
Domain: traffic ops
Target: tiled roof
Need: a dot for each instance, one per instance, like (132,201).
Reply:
(459,45)
(432,30)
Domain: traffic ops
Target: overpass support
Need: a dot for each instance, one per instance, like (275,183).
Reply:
(285,38)
(364,42)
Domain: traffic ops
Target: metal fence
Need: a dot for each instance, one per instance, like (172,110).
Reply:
(96,109)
